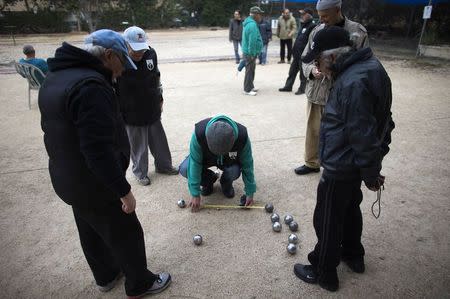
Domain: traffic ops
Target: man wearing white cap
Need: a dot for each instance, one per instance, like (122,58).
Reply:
(140,97)
(318,86)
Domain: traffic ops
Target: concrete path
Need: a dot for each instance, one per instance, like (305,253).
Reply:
(407,249)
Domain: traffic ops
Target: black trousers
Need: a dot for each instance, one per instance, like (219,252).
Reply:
(296,67)
(113,241)
(338,224)
(285,43)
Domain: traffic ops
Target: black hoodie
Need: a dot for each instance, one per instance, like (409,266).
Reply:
(84,134)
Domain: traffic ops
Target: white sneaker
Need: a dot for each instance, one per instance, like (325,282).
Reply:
(144,181)
(255,89)
(110,285)
(250,93)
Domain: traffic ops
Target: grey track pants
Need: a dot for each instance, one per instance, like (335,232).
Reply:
(155,139)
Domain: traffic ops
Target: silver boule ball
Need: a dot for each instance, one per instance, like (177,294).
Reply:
(269,207)
(293,226)
(181,203)
(197,240)
(293,239)
(291,248)
(276,226)
(288,219)
(275,217)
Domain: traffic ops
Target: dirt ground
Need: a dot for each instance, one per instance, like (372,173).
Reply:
(407,248)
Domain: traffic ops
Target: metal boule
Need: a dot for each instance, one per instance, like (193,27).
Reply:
(276,226)
(275,217)
(293,238)
(181,203)
(291,248)
(293,226)
(288,219)
(269,208)
(197,240)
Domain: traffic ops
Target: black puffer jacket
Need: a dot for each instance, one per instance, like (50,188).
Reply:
(139,92)
(356,126)
(84,134)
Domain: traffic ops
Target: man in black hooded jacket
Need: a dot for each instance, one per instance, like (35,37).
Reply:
(355,134)
(88,151)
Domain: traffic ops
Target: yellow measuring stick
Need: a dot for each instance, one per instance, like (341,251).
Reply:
(230,207)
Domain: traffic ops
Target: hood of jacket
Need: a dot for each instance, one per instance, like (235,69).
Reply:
(248,21)
(68,56)
(350,58)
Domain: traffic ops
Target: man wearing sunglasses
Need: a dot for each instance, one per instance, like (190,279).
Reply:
(88,151)
(140,98)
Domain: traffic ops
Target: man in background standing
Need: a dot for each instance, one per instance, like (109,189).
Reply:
(287,27)
(251,47)
(266,34)
(307,25)
(235,33)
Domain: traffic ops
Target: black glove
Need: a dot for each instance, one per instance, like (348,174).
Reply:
(375,183)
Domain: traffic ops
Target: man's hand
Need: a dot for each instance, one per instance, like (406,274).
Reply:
(128,203)
(194,204)
(316,73)
(249,201)
(375,183)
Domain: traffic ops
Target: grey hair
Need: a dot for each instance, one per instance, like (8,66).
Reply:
(337,52)
(97,51)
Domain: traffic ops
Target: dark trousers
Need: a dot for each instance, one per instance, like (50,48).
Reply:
(296,67)
(338,224)
(230,173)
(285,43)
(113,241)
(250,66)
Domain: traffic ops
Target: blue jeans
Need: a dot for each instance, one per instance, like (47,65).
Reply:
(230,173)
(236,44)
(263,56)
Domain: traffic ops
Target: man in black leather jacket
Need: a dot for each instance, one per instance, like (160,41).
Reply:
(355,135)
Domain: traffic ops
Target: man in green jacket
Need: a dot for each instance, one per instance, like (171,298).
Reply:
(224,143)
(251,47)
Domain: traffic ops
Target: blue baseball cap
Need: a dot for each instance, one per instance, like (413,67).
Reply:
(110,39)
(136,38)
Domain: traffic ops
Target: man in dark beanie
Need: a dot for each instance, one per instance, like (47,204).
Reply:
(355,134)
(223,143)
(318,86)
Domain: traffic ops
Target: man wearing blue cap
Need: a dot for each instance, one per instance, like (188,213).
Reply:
(88,154)
(141,100)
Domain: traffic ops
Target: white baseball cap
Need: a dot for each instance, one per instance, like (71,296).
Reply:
(136,38)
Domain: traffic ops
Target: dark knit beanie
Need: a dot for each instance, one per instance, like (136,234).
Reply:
(220,137)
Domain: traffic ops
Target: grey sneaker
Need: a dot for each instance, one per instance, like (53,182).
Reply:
(170,171)
(158,286)
(145,181)
(110,285)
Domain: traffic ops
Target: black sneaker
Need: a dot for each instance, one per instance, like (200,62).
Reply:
(329,281)
(209,188)
(284,89)
(305,273)
(356,264)
(299,92)
(280,62)
(305,170)
(158,286)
